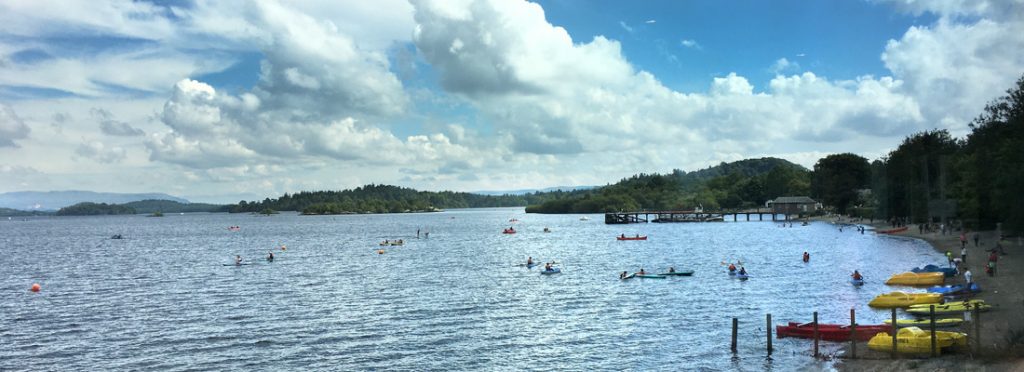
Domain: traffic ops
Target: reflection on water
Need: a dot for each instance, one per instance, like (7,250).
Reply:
(161,298)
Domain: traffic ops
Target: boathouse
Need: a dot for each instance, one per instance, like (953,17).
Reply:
(797,205)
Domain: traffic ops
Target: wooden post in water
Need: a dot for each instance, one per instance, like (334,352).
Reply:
(895,330)
(815,334)
(931,315)
(735,325)
(977,330)
(853,334)
(769,327)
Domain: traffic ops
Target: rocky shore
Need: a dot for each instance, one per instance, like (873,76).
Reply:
(1002,328)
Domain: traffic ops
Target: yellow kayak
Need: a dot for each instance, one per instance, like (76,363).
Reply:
(916,279)
(950,308)
(903,299)
(926,323)
(914,340)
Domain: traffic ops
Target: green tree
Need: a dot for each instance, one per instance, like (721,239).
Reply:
(837,178)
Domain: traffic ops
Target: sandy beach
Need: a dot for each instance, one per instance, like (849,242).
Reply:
(1002,328)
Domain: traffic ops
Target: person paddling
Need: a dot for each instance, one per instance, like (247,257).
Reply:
(671,269)
(732,268)
(529,261)
(856,275)
(624,275)
(270,257)
(743,271)
(807,257)
(238,259)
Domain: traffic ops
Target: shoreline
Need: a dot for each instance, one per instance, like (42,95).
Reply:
(1003,291)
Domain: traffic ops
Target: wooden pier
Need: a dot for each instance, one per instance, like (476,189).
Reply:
(616,218)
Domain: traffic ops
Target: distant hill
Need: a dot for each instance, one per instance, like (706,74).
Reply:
(8,212)
(533,191)
(54,200)
(741,184)
(170,206)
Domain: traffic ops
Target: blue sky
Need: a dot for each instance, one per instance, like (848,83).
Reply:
(255,98)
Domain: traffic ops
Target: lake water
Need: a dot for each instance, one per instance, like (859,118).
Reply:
(161,299)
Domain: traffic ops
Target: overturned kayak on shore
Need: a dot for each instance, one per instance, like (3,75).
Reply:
(947,271)
(830,332)
(903,299)
(926,323)
(956,289)
(916,279)
(914,340)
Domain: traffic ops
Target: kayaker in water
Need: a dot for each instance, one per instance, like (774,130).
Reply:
(732,268)
(270,257)
(623,275)
(238,260)
(743,271)
(856,275)
(547,267)
(807,257)
(623,236)
(529,261)
(641,272)
(671,269)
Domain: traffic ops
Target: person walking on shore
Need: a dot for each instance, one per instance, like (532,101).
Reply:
(963,239)
(976,237)
(963,254)
(967,276)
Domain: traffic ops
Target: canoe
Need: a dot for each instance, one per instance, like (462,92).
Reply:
(678,273)
(950,308)
(830,332)
(651,276)
(955,289)
(914,340)
(926,323)
(948,271)
(903,299)
(857,282)
(893,231)
(742,276)
(507,231)
(630,276)
(631,237)
(916,279)
(554,270)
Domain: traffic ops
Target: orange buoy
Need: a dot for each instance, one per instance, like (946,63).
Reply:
(380,251)
(36,287)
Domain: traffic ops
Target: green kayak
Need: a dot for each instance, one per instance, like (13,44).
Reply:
(678,273)
(651,276)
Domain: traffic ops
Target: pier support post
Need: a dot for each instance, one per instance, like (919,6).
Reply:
(769,329)
(931,315)
(735,325)
(815,334)
(853,334)
(895,330)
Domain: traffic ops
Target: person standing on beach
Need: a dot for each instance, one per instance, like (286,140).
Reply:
(963,254)
(976,239)
(967,276)
(963,239)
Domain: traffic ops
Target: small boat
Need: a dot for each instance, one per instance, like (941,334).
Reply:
(950,308)
(857,282)
(650,276)
(926,323)
(955,289)
(948,271)
(916,279)
(547,230)
(902,299)
(630,276)
(742,276)
(893,231)
(508,231)
(584,218)
(830,332)
(678,273)
(638,237)
(914,340)
(553,270)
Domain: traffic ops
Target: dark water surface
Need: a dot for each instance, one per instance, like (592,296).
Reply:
(162,299)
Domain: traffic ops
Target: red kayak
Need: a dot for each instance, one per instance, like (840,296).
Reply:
(893,231)
(508,231)
(631,237)
(830,332)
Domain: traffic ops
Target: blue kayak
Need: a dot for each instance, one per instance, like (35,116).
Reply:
(857,282)
(955,289)
(947,271)
(554,270)
(742,276)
